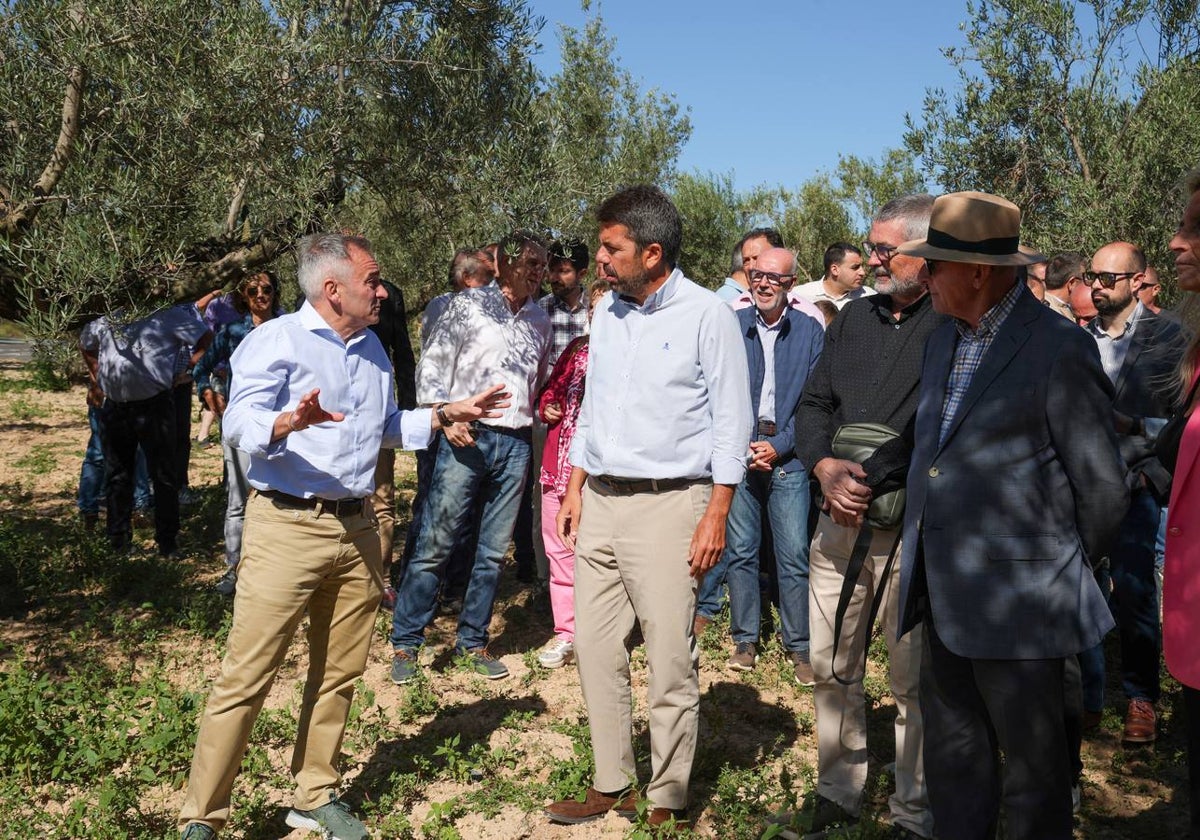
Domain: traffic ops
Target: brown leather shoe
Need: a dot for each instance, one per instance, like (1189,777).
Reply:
(594,806)
(700,624)
(1091,720)
(659,817)
(1139,722)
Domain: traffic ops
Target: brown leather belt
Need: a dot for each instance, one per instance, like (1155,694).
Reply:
(338,507)
(629,486)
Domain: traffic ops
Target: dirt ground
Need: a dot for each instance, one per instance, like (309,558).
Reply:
(761,721)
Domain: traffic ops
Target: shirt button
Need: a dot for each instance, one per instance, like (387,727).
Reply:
(933,472)
(1174,530)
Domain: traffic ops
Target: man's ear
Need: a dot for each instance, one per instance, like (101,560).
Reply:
(652,256)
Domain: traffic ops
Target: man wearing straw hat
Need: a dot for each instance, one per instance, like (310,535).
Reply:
(1006,501)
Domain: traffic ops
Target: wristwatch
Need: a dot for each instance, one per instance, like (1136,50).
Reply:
(440,411)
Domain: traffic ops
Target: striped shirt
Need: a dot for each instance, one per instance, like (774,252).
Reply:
(973,343)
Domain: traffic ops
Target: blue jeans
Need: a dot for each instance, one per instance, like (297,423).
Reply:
(1135,591)
(494,471)
(785,495)
(91,474)
(711,591)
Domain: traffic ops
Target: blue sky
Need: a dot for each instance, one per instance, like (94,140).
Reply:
(778,89)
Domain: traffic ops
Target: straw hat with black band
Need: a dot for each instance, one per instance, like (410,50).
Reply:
(973,227)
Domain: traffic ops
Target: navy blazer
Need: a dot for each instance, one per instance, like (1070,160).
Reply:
(1148,386)
(1028,484)
(797,348)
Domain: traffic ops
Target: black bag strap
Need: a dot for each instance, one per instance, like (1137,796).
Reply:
(858,558)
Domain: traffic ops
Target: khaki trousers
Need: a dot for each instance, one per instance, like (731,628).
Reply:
(292,561)
(383,501)
(631,563)
(841,710)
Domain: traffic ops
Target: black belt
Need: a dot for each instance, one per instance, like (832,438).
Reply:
(338,507)
(629,486)
(767,427)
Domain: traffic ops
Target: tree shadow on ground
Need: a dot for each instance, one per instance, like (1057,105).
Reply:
(472,722)
(737,729)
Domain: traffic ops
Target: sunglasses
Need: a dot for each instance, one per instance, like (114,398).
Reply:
(264,289)
(1107,279)
(770,277)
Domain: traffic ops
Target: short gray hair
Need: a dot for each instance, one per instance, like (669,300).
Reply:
(323,254)
(912,210)
(1192,180)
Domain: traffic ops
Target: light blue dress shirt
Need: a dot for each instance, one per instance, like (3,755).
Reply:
(668,388)
(281,361)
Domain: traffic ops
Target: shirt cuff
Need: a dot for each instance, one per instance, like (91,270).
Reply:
(728,470)
(416,428)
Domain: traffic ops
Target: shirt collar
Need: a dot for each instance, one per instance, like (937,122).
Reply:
(1093,326)
(660,297)
(312,321)
(989,323)
(882,304)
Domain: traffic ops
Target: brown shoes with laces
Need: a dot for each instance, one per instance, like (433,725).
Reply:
(593,807)
(1139,722)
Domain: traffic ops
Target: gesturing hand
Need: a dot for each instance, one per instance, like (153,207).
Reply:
(308,412)
(485,404)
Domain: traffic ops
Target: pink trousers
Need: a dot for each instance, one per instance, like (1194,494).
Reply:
(562,568)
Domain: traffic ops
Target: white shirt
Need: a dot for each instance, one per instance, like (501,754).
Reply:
(816,290)
(668,388)
(433,311)
(478,342)
(283,359)
(767,335)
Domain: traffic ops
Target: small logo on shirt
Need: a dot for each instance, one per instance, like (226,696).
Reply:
(666,345)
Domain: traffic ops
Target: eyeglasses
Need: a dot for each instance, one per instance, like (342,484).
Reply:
(264,289)
(770,277)
(885,252)
(1107,279)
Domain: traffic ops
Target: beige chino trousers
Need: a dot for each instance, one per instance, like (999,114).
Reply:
(841,710)
(292,561)
(631,564)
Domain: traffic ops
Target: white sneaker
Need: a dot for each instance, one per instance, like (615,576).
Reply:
(556,653)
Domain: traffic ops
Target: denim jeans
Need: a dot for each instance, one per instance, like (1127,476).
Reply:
(237,488)
(494,470)
(712,587)
(1135,594)
(785,496)
(92,484)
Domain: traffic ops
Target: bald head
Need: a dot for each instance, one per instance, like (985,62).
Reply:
(1122,256)
(770,280)
(777,261)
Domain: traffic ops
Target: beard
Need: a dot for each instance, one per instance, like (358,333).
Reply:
(1112,304)
(898,287)
(632,285)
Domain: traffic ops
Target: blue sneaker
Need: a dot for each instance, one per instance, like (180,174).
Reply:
(483,663)
(334,819)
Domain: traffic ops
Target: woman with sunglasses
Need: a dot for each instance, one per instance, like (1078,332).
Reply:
(257,299)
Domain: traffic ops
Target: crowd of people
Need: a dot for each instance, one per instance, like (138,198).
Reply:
(986,449)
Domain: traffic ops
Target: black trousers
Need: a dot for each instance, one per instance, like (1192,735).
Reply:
(1191,712)
(123,426)
(977,709)
(182,451)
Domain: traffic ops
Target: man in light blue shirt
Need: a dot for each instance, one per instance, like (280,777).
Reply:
(659,448)
(311,403)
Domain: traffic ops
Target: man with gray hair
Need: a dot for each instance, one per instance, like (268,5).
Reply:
(470,268)
(311,403)
(868,373)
